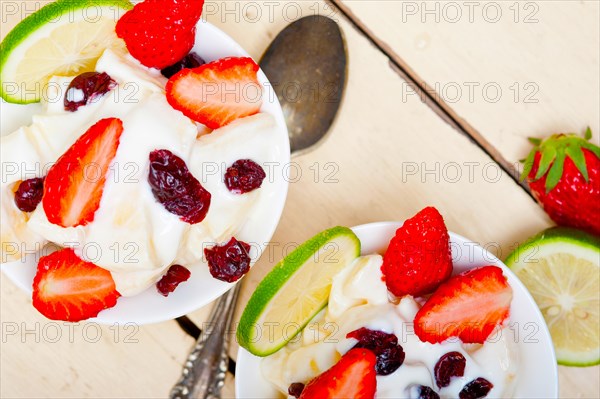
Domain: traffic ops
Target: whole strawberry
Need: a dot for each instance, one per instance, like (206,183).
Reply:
(159,33)
(418,258)
(563,172)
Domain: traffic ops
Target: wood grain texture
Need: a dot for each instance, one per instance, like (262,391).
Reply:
(40,358)
(387,156)
(509,69)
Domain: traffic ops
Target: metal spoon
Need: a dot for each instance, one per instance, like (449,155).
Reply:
(306,64)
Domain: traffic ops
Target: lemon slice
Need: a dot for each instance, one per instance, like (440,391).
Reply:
(295,291)
(561,269)
(64,38)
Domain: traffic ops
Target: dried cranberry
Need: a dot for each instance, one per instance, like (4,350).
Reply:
(296,389)
(452,364)
(478,388)
(86,88)
(175,275)
(385,346)
(192,60)
(427,393)
(29,194)
(176,188)
(244,176)
(228,262)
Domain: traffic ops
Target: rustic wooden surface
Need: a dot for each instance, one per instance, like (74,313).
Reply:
(389,154)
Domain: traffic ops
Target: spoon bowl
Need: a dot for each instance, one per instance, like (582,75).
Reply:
(306,64)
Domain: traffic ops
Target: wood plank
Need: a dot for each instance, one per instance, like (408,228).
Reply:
(44,358)
(365,173)
(508,70)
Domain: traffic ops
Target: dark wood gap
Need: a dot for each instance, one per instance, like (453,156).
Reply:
(190,328)
(437,105)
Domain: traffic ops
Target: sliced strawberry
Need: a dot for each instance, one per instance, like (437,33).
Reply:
(217,93)
(418,258)
(468,306)
(352,377)
(74,184)
(71,289)
(159,33)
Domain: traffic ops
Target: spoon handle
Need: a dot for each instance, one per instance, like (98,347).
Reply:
(204,371)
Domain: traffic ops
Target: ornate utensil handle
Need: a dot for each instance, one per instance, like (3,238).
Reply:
(204,371)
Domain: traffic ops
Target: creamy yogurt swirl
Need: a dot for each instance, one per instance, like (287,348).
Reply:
(358,299)
(132,235)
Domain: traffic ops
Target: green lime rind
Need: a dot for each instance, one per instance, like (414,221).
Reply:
(574,363)
(553,235)
(37,20)
(277,278)
(555,240)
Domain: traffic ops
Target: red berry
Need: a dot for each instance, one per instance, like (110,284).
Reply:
(418,258)
(159,33)
(228,262)
(68,288)
(217,93)
(75,183)
(427,393)
(353,376)
(244,176)
(192,60)
(468,306)
(296,389)
(29,194)
(87,88)
(174,186)
(175,275)
(476,389)
(450,365)
(390,355)
(563,172)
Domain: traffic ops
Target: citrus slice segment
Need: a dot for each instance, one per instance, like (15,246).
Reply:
(64,38)
(561,269)
(295,291)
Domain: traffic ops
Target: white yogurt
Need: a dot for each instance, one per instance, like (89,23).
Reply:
(359,299)
(132,235)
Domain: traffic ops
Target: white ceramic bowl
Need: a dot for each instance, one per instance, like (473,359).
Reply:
(537,374)
(201,288)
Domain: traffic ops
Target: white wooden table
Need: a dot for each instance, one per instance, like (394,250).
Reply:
(440,99)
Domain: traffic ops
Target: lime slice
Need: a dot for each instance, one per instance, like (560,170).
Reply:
(64,38)
(561,268)
(295,291)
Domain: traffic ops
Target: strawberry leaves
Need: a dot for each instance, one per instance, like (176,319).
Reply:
(556,171)
(576,155)
(554,150)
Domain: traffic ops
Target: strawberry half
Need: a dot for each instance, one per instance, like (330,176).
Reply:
(74,184)
(71,289)
(468,306)
(217,93)
(353,376)
(563,172)
(159,33)
(418,258)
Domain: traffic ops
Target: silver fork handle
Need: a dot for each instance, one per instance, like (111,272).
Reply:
(204,371)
